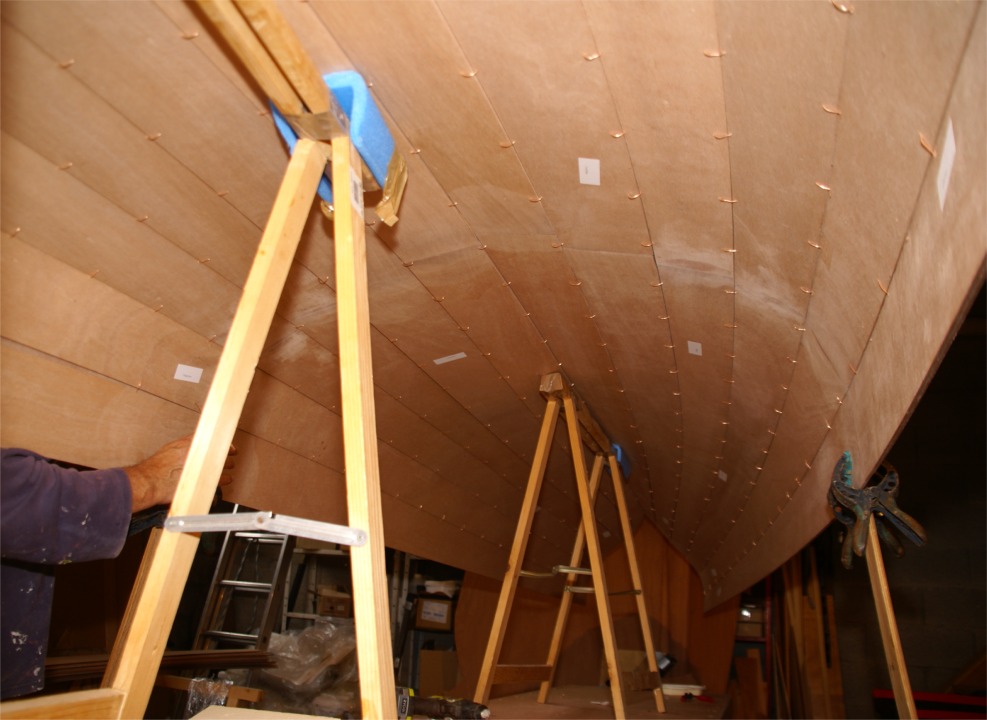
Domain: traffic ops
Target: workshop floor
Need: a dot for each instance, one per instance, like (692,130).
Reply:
(589,703)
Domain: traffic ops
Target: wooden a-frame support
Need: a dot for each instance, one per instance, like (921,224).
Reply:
(582,430)
(137,653)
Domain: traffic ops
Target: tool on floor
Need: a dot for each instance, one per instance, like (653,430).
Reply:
(853,508)
(439,708)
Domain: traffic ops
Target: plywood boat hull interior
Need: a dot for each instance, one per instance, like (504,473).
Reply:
(788,219)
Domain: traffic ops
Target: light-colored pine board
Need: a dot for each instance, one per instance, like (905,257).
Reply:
(286,51)
(156,595)
(363,495)
(78,705)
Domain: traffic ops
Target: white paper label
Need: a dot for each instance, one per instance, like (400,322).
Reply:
(449,358)
(589,171)
(187,373)
(695,348)
(356,191)
(435,612)
(946,164)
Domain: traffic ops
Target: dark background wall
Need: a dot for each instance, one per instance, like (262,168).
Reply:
(938,590)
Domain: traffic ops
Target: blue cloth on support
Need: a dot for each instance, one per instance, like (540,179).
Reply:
(368,131)
(622,460)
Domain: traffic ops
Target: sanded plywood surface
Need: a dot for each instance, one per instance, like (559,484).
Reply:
(855,426)
(766,233)
(533,59)
(462,149)
(776,172)
(189,122)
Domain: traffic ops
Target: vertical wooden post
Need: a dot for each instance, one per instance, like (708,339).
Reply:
(150,614)
(509,586)
(642,608)
(562,618)
(595,557)
(368,563)
(893,653)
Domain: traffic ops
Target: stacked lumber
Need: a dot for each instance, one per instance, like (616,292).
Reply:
(72,668)
(810,683)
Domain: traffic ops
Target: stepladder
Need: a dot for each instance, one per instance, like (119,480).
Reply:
(326,138)
(244,596)
(584,433)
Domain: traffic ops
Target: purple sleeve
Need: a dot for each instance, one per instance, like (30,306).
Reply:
(50,514)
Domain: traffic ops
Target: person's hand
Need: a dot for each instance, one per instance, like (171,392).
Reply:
(154,480)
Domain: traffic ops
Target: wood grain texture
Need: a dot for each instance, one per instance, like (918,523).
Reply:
(140,162)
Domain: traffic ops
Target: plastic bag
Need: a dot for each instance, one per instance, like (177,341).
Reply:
(203,692)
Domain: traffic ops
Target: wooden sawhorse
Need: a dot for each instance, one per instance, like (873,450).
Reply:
(583,430)
(260,37)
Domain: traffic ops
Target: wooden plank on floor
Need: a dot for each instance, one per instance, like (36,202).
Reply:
(80,705)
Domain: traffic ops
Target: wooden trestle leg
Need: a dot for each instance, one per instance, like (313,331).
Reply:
(893,653)
(562,618)
(642,609)
(595,559)
(140,645)
(509,587)
(368,564)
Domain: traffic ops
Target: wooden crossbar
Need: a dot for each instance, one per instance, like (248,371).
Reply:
(582,431)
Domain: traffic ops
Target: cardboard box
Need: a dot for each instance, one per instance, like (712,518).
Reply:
(438,672)
(750,629)
(333,603)
(433,613)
